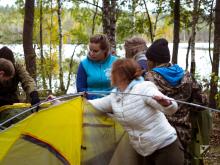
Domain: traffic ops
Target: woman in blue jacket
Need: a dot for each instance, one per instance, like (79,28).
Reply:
(94,71)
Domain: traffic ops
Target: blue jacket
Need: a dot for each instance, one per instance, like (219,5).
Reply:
(94,76)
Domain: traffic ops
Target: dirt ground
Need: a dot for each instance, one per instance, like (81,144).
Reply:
(212,156)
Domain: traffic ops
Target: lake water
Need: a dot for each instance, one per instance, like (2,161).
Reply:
(203,65)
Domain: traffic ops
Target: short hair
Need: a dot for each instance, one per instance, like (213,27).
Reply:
(7,54)
(7,67)
(102,40)
(127,69)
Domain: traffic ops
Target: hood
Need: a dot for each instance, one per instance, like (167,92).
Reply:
(173,74)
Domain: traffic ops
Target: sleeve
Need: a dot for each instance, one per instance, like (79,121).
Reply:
(143,64)
(27,82)
(81,79)
(150,91)
(102,104)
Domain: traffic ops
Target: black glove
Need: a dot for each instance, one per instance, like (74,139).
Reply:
(34,98)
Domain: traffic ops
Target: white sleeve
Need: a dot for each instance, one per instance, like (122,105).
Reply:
(150,91)
(102,104)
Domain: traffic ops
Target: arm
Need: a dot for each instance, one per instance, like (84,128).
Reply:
(81,79)
(158,100)
(102,104)
(28,83)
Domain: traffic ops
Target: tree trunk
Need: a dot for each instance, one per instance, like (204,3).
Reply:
(187,54)
(210,29)
(150,23)
(216,54)
(62,87)
(156,20)
(176,31)
(194,23)
(105,17)
(42,60)
(70,69)
(133,15)
(51,27)
(29,53)
(109,21)
(94,16)
(113,25)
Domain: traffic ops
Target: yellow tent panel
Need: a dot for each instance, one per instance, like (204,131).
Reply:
(71,133)
(56,131)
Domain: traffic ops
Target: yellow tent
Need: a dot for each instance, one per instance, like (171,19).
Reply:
(50,136)
(71,132)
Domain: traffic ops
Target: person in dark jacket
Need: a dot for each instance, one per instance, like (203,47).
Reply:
(192,124)
(9,90)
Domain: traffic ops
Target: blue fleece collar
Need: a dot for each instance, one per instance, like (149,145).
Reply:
(173,74)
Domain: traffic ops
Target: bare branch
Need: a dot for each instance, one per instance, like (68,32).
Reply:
(96,5)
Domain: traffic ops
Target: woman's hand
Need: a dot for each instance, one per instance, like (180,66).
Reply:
(162,101)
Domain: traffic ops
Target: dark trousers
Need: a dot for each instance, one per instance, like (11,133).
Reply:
(169,155)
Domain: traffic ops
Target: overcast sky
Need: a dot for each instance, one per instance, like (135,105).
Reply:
(7,2)
(12,2)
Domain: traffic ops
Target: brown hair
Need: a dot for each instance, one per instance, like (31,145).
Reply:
(7,67)
(134,45)
(102,40)
(127,69)
(7,54)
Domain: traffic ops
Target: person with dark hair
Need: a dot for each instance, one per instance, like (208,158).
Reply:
(139,107)
(94,71)
(136,48)
(7,70)
(9,90)
(192,124)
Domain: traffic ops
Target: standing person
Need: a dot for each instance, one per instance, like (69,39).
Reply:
(9,89)
(136,48)
(139,107)
(94,71)
(191,124)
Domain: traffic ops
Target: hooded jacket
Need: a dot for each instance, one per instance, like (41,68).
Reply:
(9,89)
(172,81)
(141,116)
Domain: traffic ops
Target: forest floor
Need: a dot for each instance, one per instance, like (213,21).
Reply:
(212,156)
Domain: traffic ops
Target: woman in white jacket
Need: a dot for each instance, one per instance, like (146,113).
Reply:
(139,107)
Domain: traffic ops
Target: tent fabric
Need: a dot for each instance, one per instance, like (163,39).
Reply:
(101,135)
(15,106)
(72,132)
(125,154)
(105,141)
(60,127)
(22,148)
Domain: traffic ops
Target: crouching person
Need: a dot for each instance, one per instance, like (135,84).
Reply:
(9,88)
(139,107)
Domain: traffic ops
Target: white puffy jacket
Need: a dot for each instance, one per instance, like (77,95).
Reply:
(141,116)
